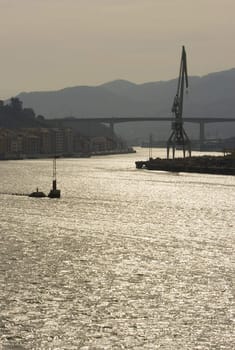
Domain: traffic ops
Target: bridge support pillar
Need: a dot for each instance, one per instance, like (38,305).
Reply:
(111,125)
(202,134)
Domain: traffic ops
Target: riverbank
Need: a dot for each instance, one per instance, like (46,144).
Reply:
(70,155)
(113,152)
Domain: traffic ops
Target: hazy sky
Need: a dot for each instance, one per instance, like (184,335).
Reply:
(51,44)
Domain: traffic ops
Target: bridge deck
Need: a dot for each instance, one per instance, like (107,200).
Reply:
(144,119)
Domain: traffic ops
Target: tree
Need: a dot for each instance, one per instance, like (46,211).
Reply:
(16,104)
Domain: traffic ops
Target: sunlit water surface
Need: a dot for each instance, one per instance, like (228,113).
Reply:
(126,259)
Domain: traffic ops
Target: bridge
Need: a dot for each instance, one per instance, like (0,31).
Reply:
(116,120)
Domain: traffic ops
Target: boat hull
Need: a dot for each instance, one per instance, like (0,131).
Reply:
(54,194)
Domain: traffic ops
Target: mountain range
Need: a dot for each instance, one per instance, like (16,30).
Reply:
(212,95)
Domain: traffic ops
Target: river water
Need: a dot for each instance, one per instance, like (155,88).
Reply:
(126,259)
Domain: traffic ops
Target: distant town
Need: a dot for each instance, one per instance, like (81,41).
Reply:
(23,135)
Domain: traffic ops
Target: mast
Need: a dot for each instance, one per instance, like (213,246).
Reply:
(54,192)
(178,135)
(54,174)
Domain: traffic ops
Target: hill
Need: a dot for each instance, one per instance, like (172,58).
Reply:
(212,95)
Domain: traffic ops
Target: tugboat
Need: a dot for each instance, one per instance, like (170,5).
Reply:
(54,192)
(37,194)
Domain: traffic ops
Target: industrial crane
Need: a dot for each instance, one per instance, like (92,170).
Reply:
(178,135)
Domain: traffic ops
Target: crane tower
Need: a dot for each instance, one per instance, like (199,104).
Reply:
(178,135)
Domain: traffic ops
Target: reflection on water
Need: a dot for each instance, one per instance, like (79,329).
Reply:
(126,259)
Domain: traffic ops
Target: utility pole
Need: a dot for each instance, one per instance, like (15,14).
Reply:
(178,135)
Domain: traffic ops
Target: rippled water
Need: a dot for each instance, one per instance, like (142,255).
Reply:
(126,259)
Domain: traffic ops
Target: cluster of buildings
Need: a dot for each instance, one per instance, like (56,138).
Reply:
(38,142)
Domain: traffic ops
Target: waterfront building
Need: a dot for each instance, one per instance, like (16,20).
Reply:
(68,141)
(57,138)
(31,145)
(81,143)
(33,142)
(45,141)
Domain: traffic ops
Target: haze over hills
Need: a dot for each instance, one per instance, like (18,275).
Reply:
(212,95)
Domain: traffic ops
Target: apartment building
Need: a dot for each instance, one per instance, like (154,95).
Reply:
(36,142)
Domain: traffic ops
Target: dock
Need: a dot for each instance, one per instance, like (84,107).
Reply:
(219,165)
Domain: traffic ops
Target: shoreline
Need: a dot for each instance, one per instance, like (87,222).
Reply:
(74,155)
